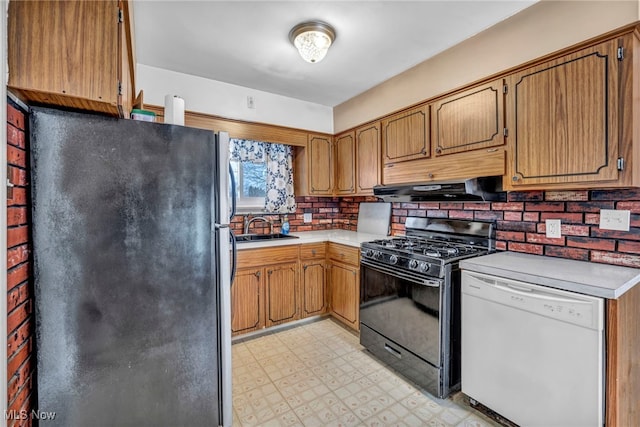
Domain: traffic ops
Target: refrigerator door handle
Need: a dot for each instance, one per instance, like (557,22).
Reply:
(234,256)
(233,193)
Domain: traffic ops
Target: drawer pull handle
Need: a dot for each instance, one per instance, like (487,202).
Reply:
(393,351)
(313,252)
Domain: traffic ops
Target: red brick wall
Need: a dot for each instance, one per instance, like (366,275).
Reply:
(20,341)
(521,223)
(328,213)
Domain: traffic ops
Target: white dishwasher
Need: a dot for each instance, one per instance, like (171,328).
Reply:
(533,354)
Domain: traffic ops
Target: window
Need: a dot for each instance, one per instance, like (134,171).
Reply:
(264,174)
(251,187)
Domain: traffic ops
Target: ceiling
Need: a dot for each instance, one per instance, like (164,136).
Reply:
(246,42)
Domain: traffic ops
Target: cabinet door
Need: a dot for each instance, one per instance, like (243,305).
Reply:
(345,295)
(563,120)
(314,298)
(65,53)
(345,163)
(405,136)
(247,306)
(281,289)
(368,171)
(469,120)
(320,165)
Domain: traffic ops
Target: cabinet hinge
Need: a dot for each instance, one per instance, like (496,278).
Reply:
(620,163)
(120,16)
(119,87)
(620,53)
(505,132)
(505,89)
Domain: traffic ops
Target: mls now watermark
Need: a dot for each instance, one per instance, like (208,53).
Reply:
(34,414)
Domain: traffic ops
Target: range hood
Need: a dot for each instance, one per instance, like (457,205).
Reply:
(484,189)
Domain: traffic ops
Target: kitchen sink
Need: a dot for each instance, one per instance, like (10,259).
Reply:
(241,238)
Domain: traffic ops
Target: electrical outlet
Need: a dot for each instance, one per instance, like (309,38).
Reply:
(308,217)
(553,228)
(611,219)
(251,103)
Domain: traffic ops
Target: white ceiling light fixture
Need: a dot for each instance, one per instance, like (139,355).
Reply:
(312,39)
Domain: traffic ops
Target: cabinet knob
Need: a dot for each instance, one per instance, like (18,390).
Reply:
(439,150)
(430,175)
(514,178)
(257,274)
(313,252)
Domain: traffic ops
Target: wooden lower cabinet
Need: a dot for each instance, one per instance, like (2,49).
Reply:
(344,284)
(247,304)
(314,295)
(281,294)
(345,293)
(282,284)
(313,280)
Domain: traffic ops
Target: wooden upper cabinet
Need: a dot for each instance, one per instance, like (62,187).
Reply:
(345,163)
(72,53)
(368,170)
(320,165)
(469,120)
(405,135)
(563,120)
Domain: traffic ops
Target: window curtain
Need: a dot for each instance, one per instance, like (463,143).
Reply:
(280,197)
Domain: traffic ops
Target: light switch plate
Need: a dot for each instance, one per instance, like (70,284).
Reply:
(308,217)
(611,219)
(553,228)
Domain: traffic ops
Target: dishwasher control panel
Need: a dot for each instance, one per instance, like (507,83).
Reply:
(570,307)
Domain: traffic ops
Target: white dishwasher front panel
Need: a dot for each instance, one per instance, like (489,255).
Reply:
(533,354)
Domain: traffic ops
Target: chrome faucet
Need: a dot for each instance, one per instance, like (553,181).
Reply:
(247,223)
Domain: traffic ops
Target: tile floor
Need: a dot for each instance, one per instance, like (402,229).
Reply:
(317,374)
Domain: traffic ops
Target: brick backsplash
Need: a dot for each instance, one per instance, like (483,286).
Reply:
(520,221)
(20,355)
(328,213)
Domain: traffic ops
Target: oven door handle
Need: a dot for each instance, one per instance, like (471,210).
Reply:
(434,283)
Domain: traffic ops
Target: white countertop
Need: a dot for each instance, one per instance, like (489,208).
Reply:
(600,280)
(344,237)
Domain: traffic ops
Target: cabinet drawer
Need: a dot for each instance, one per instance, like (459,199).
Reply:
(344,254)
(267,256)
(313,251)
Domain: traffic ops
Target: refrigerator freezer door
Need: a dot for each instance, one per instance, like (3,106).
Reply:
(125,283)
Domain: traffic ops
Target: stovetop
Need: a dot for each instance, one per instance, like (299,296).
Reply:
(433,248)
(429,246)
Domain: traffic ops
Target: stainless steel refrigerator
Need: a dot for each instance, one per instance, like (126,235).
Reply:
(131,250)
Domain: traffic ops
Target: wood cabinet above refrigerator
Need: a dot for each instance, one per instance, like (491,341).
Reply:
(74,54)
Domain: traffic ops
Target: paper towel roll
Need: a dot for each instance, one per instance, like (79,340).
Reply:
(174,110)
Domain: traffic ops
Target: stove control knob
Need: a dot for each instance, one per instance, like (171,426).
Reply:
(393,260)
(424,266)
(377,255)
(369,253)
(413,264)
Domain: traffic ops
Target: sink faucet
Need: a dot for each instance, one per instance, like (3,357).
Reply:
(247,223)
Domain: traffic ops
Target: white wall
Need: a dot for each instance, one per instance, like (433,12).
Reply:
(230,101)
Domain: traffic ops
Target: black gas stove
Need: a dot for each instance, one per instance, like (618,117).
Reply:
(410,298)
(429,244)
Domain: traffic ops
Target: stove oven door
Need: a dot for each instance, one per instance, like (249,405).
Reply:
(403,323)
